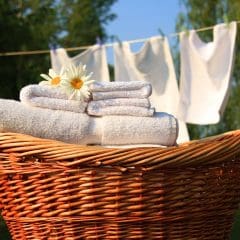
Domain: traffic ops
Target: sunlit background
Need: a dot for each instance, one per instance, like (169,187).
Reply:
(27,25)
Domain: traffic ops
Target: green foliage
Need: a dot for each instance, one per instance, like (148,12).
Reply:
(24,25)
(198,14)
(235,234)
(34,25)
(4,235)
(83,20)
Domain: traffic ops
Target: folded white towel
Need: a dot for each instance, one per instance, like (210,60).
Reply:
(82,129)
(49,97)
(110,90)
(46,123)
(137,102)
(120,110)
(119,86)
(161,129)
(144,92)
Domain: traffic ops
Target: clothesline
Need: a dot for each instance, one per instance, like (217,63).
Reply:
(18,53)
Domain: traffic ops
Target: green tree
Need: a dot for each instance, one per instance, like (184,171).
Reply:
(34,25)
(24,25)
(84,20)
(198,14)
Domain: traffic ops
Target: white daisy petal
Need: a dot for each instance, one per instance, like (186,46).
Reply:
(81,68)
(89,82)
(71,97)
(86,95)
(69,69)
(52,73)
(75,82)
(90,75)
(62,71)
(74,72)
(54,79)
(85,88)
(45,76)
(85,78)
(79,95)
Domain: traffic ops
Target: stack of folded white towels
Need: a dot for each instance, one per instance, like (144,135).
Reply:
(120,98)
(118,114)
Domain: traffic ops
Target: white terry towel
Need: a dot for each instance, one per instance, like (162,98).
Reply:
(152,64)
(111,90)
(52,98)
(137,102)
(94,58)
(205,74)
(82,129)
(119,86)
(121,130)
(141,93)
(64,126)
(120,110)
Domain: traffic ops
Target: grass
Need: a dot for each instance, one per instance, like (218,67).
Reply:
(235,234)
(4,234)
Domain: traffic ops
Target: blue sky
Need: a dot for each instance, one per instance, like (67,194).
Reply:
(142,19)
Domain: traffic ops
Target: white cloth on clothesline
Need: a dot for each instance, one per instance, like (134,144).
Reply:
(154,64)
(94,58)
(205,74)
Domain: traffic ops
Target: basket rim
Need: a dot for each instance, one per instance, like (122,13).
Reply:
(211,150)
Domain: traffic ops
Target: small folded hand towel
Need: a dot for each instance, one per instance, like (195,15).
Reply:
(119,86)
(137,102)
(141,93)
(111,90)
(120,110)
(51,98)
(80,128)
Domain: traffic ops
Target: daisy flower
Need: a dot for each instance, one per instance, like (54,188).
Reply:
(53,79)
(77,81)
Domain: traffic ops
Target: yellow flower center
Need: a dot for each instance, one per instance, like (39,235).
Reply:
(76,83)
(55,81)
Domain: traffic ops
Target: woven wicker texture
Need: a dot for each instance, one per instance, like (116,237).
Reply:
(58,191)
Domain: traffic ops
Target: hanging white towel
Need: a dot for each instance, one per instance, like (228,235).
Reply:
(154,64)
(205,74)
(94,58)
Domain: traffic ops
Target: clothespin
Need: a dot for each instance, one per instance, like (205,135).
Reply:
(117,39)
(53,47)
(161,33)
(226,20)
(98,40)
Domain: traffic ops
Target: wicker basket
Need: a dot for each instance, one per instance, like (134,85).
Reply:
(53,190)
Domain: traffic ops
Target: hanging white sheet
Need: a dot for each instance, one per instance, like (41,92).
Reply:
(205,74)
(94,57)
